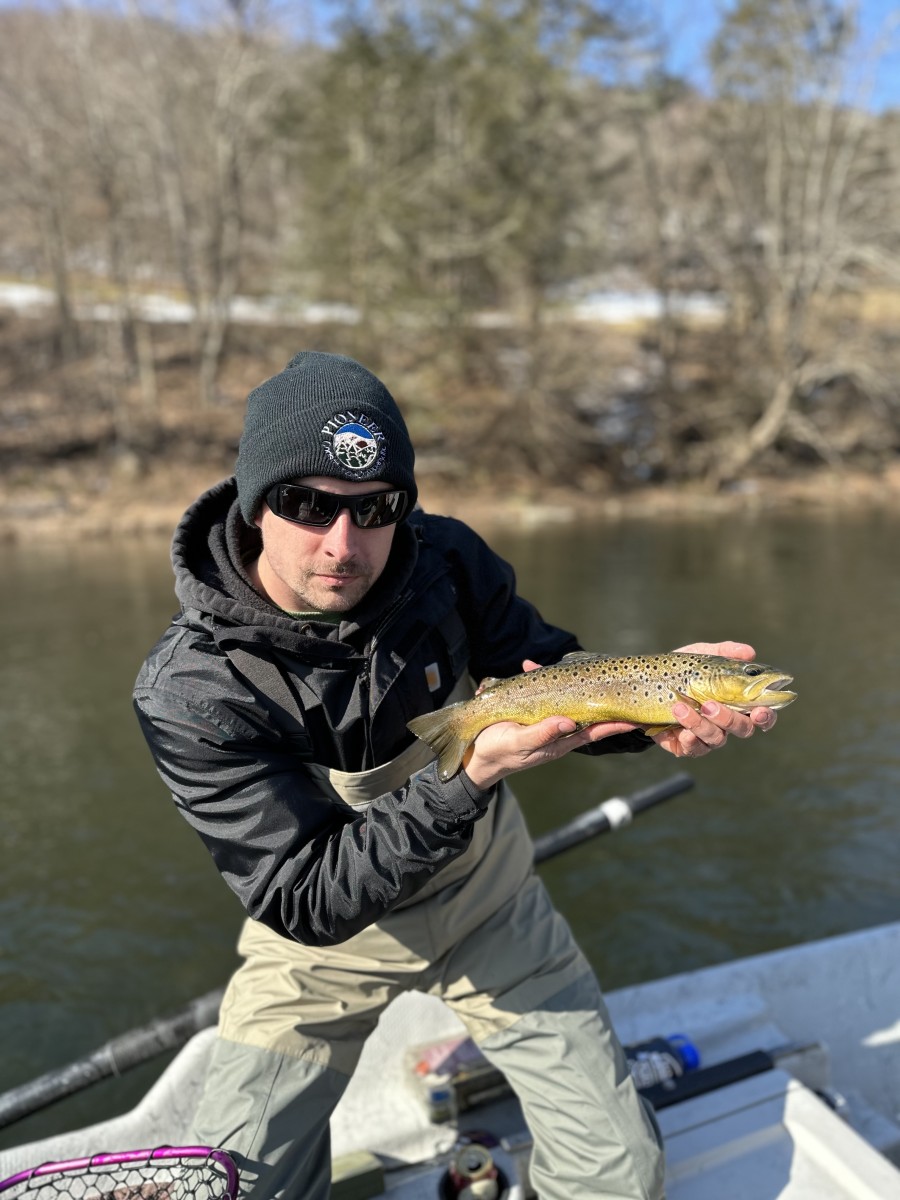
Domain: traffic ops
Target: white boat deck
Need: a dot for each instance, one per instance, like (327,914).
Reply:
(767,1137)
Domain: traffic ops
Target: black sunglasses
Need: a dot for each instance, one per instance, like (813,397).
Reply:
(309,506)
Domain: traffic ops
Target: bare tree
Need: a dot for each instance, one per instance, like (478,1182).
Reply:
(802,213)
(208,110)
(39,141)
(101,94)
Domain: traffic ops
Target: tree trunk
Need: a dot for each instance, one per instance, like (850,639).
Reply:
(760,436)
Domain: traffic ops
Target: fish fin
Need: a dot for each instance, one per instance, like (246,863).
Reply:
(438,730)
(488,682)
(650,730)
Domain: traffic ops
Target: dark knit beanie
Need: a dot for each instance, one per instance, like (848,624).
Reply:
(324,414)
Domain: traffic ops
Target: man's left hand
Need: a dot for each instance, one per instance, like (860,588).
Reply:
(710,727)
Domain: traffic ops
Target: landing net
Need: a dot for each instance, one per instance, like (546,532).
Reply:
(166,1173)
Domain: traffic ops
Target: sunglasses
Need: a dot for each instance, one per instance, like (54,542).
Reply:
(309,506)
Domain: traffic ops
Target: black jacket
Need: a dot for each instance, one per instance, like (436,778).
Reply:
(237,695)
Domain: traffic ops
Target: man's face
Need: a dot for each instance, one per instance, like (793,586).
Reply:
(330,569)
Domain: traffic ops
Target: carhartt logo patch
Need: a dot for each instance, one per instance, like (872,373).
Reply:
(355,443)
(433,677)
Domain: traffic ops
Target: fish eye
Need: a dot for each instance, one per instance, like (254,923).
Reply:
(753,670)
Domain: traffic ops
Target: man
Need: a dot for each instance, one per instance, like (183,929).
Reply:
(321,611)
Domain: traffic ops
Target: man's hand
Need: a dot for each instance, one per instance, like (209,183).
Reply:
(507,747)
(504,748)
(710,728)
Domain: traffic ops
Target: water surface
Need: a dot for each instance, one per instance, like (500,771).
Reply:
(111,912)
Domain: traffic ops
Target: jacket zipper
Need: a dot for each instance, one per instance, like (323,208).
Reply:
(365,674)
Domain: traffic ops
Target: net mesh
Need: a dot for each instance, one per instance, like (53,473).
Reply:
(187,1173)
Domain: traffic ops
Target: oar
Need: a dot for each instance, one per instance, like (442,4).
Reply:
(148,1041)
(123,1052)
(608,817)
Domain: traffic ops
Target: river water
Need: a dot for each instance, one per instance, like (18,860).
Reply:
(111,913)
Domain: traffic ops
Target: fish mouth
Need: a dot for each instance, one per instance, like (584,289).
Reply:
(776,694)
(779,685)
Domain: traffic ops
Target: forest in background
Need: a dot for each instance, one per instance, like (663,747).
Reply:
(438,189)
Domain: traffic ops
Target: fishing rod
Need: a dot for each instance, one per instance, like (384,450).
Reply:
(169,1033)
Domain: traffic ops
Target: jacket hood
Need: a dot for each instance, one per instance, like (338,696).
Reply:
(211,548)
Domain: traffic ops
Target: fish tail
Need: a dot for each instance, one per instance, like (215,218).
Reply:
(443,732)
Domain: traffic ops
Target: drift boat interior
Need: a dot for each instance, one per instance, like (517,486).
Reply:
(796,1095)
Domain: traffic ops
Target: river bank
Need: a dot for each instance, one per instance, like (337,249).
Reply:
(122,499)
(86,454)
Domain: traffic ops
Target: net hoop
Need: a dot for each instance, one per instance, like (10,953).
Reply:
(162,1155)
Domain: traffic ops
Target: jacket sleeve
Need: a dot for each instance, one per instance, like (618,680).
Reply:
(309,868)
(504,628)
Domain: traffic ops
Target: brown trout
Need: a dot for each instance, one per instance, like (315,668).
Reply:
(597,687)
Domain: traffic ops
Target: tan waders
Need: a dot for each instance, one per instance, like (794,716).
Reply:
(484,937)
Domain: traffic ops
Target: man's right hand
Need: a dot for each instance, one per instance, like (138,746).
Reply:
(508,747)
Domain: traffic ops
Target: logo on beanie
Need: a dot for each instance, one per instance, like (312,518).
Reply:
(354,443)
